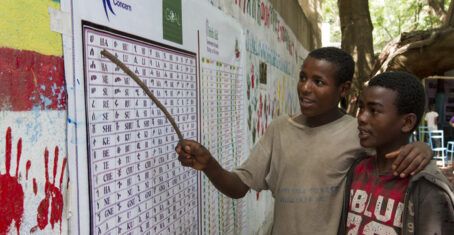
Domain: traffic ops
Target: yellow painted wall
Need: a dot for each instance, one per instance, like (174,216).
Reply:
(25,25)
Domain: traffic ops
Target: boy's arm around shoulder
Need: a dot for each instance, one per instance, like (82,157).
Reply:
(193,154)
(411,158)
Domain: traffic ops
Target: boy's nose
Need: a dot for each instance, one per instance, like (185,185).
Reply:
(362,117)
(306,87)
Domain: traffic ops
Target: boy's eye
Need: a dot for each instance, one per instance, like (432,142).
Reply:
(302,78)
(319,82)
(374,111)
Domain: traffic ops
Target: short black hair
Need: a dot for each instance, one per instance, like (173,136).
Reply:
(410,98)
(343,61)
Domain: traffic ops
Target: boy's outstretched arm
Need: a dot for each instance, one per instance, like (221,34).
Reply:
(411,158)
(196,156)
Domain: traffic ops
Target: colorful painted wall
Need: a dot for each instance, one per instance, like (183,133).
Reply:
(33,172)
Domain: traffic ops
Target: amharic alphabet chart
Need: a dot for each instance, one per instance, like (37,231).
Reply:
(137,185)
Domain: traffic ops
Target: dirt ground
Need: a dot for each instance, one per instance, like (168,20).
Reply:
(448,171)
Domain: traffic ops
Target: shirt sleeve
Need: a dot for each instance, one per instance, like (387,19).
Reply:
(254,170)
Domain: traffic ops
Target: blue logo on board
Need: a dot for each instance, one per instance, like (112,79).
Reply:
(108,7)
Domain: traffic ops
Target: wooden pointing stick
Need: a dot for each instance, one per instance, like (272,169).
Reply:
(125,69)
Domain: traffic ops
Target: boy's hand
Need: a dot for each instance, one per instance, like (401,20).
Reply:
(410,159)
(193,154)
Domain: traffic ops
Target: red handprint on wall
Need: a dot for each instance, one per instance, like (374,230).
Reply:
(53,196)
(11,192)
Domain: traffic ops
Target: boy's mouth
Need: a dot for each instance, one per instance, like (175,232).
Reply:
(363,133)
(306,102)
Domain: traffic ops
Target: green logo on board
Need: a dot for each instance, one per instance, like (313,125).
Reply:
(172,22)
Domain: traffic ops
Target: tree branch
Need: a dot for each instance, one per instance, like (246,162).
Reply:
(394,51)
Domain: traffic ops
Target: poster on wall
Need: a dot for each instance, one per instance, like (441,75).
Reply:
(223,114)
(271,65)
(136,183)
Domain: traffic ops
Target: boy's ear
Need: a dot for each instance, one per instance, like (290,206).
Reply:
(409,122)
(345,88)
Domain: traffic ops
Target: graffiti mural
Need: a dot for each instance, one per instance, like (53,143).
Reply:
(32,119)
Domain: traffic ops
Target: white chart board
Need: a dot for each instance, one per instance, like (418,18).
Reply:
(136,183)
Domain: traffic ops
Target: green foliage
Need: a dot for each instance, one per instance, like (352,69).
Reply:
(390,18)
(330,14)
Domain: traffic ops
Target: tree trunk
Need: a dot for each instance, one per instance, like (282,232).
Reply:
(449,21)
(356,27)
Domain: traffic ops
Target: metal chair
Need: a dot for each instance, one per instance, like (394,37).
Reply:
(437,145)
(450,151)
(423,134)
